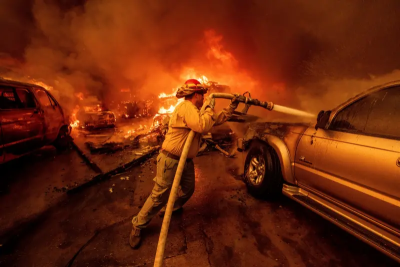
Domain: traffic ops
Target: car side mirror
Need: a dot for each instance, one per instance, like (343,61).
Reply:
(322,119)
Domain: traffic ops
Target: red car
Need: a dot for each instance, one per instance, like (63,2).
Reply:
(30,118)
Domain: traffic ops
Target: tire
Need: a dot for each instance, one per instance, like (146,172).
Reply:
(63,139)
(262,172)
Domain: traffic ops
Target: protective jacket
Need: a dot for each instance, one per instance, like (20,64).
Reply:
(186,117)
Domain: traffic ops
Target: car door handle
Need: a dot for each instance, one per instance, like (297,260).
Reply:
(303,159)
(36,111)
(398,162)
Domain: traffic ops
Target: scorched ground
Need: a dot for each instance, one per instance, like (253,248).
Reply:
(221,225)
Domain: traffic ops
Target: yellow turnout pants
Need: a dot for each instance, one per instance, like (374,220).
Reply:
(166,168)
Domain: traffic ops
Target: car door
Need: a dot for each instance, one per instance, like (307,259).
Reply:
(33,117)
(13,119)
(356,159)
(52,115)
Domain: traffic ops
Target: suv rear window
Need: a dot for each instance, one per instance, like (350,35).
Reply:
(376,114)
(384,117)
(8,99)
(25,98)
(43,98)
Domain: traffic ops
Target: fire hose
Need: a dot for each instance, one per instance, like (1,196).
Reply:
(182,161)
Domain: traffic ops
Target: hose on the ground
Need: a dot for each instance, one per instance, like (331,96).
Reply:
(171,201)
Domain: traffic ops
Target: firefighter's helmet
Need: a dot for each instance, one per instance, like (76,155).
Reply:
(191,86)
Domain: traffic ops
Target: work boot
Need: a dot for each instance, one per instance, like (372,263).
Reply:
(135,238)
(174,211)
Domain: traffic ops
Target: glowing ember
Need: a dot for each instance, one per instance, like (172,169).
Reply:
(133,133)
(129,134)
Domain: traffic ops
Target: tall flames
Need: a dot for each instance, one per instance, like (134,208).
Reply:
(163,110)
(221,64)
(172,97)
(74,122)
(215,62)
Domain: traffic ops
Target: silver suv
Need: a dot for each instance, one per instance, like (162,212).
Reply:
(345,168)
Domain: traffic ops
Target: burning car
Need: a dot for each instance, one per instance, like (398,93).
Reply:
(30,117)
(95,116)
(346,168)
(136,109)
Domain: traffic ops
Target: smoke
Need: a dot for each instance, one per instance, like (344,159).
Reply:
(300,53)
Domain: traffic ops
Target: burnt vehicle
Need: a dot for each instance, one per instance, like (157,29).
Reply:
(346,168)
(30,117)
(95,116)
(137,108)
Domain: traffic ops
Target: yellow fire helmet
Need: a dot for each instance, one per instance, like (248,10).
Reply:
(191,86)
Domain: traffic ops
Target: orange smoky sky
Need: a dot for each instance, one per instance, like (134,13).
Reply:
(291,52)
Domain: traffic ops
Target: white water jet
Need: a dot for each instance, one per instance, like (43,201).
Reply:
(292,111)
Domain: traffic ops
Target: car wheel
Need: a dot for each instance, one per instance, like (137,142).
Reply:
(262,172)
(63,139)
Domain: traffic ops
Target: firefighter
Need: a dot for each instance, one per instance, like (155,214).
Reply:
(186,117)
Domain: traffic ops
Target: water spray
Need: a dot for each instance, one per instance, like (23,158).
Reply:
(248,101)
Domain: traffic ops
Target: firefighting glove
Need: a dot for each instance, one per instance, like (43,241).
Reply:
(234,103)
(210,102)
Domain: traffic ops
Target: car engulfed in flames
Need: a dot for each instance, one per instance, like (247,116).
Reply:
(93,117)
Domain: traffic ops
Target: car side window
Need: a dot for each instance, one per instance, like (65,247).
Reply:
(353,118)
(384,117)
(52,101)
(376,114)
(43,98)
(8,99)
(26,99)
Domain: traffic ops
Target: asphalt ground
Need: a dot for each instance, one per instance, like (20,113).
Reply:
(221,225)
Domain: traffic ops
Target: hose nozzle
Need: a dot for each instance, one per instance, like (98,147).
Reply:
(244,99)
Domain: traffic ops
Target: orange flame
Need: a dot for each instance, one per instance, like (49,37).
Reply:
(42,84)
(164,95)
(171,108)
(162,110)
(217,50)
(75,124)
(202,79)
(223,65)
(75,121)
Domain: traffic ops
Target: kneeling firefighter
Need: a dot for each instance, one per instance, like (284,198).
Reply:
(186,117)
